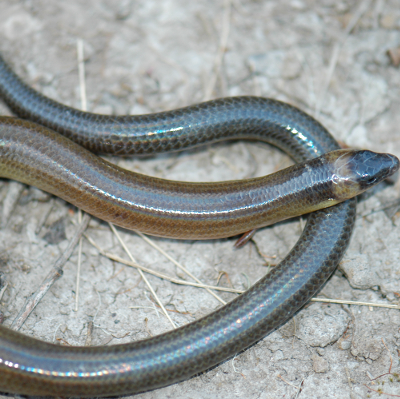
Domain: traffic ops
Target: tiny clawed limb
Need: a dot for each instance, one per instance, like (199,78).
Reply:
(245,238)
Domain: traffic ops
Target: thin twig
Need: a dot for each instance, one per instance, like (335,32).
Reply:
(174,280)
(381,392)
(55,273)
(390,355)
(341,301)
(382,375)
(391,363)
(114,230)
(221,49)
(82,86)
(349,379)
(183,282)
(154,245)
(299,390)
(336,51)
(288,382)
(89,334)
(234,368)
(169,278)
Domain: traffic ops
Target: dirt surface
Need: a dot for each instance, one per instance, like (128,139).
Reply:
(327,57)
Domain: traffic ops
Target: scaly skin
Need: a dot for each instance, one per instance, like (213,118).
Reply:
(38,156)
(32,367)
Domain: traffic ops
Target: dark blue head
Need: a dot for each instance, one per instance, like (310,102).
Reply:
(354,171)
(371,168)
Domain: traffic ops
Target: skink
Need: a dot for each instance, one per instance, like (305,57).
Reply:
(32,367)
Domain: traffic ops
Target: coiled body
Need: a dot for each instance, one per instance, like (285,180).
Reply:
(252,118)
(29,366)
(38,156)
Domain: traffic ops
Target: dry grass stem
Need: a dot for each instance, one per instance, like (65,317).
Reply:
(344,302)
(174,280)
(55,273)
(82,86)
(177,264)
(114,230)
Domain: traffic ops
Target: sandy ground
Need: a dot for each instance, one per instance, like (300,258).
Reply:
(327,57)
